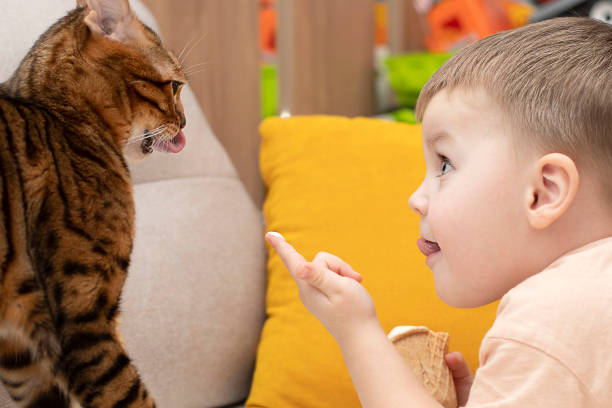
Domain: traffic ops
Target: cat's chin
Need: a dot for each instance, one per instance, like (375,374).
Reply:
(133,153)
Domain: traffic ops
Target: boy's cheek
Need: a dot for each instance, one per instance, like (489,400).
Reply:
(442,219)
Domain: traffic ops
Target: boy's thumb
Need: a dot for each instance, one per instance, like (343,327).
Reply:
(458,366)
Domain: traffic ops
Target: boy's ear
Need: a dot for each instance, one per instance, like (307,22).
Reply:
(552,189)
(110,18)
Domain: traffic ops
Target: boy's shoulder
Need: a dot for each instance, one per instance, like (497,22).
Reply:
(578,281)
(565,311)
(587,268)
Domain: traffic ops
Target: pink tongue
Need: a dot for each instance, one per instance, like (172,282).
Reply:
(177,144)
(427,247)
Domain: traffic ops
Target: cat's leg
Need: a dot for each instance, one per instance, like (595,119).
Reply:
(93,361)
(29,382)
(29,350)
(99,371)
(83,276)
(93,366)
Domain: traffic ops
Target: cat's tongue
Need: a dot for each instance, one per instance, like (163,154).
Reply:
(176,144)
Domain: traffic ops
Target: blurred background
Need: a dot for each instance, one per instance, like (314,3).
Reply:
(249,59)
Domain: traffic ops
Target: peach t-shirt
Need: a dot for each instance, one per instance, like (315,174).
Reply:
(551,343)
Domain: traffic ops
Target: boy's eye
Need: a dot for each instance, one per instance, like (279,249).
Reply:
(445,165)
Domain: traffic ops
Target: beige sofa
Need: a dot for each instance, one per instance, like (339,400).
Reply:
(193,305)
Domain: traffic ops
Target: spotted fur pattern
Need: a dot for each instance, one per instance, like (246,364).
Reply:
(97,86)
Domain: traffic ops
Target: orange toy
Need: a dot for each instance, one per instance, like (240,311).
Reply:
(267,25)
(455,23)
(380,23)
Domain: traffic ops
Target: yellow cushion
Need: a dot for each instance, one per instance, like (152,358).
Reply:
(342,186)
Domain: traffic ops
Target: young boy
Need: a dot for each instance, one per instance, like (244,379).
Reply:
(517,136)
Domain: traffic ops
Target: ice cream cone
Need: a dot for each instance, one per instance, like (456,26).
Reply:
(424,351)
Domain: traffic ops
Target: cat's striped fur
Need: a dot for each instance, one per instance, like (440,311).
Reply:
(95,80)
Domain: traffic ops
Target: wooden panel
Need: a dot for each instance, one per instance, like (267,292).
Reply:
(406,27)
(326,57)
(224,65)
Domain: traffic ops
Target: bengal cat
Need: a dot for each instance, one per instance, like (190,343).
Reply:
(97,87)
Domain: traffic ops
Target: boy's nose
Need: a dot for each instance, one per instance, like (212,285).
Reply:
(418,202)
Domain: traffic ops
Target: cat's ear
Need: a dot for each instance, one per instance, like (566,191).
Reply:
(111,18)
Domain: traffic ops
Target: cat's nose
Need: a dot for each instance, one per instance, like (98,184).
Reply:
(183,120)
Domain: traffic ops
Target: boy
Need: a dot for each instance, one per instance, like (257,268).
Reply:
(517,137)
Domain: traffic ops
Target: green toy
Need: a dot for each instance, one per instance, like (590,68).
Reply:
(269,90)
(408,74)
(404,115)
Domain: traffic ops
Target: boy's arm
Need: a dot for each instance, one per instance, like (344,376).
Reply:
(331,291)
(380,375)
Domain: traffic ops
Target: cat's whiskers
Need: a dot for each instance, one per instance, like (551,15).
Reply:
(160,145)
(147,135)
(195,69)
(194,66)
(190,75)
(185,53)
(142,137)
(180,55)
(187,45)
(190,43)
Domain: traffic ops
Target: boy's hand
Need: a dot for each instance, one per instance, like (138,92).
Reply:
(461,375)
(329,288)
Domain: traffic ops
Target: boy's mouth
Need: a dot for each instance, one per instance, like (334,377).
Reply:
(428,247)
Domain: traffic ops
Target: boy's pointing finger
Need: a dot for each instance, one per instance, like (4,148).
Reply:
(290,257)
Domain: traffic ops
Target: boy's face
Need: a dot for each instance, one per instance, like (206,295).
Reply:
(471,201)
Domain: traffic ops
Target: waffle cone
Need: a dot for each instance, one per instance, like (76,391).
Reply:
(424,351)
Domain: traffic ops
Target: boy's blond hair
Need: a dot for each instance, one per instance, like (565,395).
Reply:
(553,79)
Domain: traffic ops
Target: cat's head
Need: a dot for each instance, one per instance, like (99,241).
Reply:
(153,75)
(101,60)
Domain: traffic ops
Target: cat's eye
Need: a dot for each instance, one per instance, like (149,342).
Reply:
(175,87)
